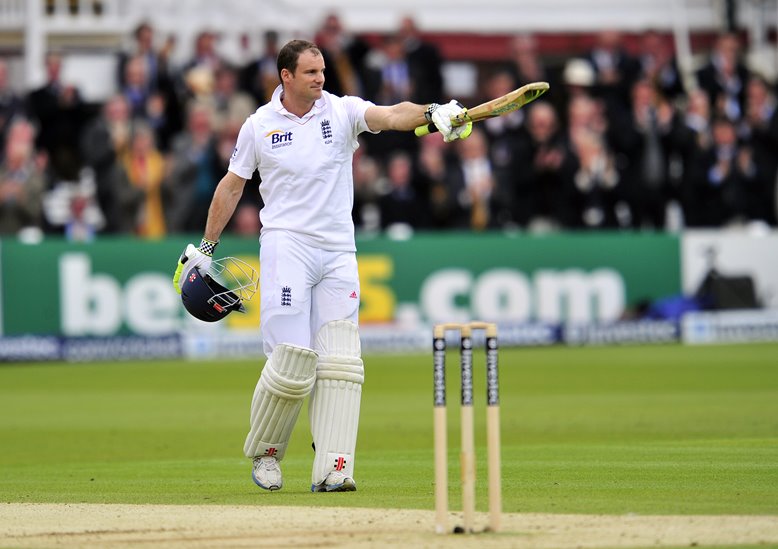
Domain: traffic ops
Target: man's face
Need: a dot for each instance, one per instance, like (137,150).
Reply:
(724,133)
(307,81)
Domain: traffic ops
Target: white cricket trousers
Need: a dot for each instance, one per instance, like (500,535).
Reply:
(302,288)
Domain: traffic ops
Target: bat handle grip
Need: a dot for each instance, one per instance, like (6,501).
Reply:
(425,130)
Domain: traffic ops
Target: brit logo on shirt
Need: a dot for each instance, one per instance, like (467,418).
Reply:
(286,296)
(279,139)
(326,131)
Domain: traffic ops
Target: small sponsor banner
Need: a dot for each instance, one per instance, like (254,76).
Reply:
(627,332)
(88,349)
(223,345)
(744,326)
(29,348)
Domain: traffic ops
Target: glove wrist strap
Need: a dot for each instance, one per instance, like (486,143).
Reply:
(207,246)
(430,109)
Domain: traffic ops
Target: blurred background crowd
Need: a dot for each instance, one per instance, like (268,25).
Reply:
(622,140)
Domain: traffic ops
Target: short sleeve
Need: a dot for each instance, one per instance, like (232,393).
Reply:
(356,107)
(243,161)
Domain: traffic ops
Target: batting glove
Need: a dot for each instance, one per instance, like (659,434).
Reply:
(191,258)
(442,116)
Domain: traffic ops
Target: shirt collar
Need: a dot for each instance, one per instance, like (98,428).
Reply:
(279,107)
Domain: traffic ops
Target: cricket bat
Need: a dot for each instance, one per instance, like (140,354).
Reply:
(496,107)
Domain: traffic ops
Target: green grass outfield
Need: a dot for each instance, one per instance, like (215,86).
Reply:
(649,430)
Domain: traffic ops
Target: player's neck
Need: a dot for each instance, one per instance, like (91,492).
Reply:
(295,105)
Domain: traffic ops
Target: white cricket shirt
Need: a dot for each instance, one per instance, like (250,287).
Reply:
(306,167)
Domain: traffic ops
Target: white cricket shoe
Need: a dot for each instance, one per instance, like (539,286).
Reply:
(336,481)
(267,473)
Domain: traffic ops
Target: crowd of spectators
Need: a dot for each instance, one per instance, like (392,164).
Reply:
(620,142)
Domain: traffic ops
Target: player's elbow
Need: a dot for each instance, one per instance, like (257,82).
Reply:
(232,184)
(229,190)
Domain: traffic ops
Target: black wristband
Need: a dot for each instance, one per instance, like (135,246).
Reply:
(207,246)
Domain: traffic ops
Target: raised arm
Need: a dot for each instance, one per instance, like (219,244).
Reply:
(406,116)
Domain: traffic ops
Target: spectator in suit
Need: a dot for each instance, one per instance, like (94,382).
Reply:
(146,76)
(396,86)
(597,194)
(473,182)
(434,170)
(643,139)
(369,184)
(761,125)
(724,78)
(526,65)
(137,88)
(260,76)
(693,139)
(103,144)
(508,146)
(401,205)
(158,107)
(396,82)
(59,112)
(194,172)
(156,61)
(721,177)
(659,65)
(614,67)
(524,60)
(509,124)
(544,177)
(424,63)
(585,113)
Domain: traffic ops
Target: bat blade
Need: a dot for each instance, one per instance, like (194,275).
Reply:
(496,107)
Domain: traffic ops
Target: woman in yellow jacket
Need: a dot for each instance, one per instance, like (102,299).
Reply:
(144,166)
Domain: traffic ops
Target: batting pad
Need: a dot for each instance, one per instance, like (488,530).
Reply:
(334,406)
(286,379)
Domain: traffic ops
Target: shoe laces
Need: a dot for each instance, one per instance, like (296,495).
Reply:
(265,462)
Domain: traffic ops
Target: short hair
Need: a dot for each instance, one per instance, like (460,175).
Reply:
(143,25)
(290,53)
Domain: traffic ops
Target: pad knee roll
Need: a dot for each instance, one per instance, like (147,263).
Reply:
(335,402)
(287,378)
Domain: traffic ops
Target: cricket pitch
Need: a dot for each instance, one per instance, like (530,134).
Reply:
(44,525)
